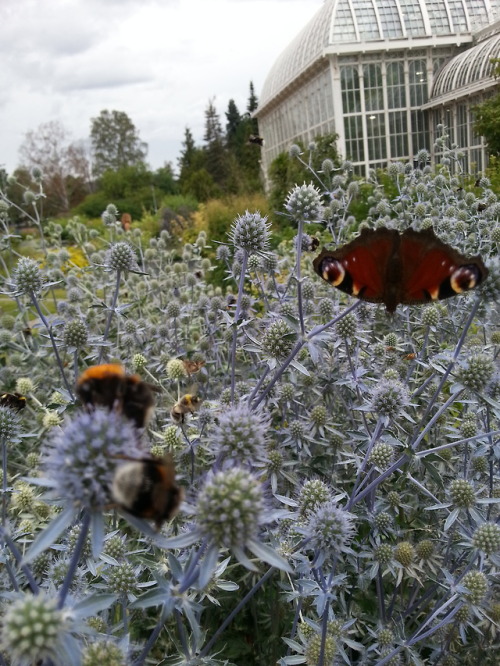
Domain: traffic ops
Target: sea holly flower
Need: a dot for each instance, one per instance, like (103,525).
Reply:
(81,457)
(304,204)
(121,257)
(230,511)
(250,232)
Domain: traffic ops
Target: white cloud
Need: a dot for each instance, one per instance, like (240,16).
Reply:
(159,61)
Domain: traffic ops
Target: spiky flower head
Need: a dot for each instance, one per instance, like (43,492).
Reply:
(75,333)
(173,310)
(424,549)
(389,398)
(490,290)
(81,458)
(279,339)
(104,653)
(383,520)
(347,326)
(313,494)
(241,433)
(325,308)
(171,437)
(122,579)
(229,508)
(9,424)
(313,650)
(383,553)
(33,630)
(139,361)
(478,371)
(330,530)
(382,455)
(462,494)
(404,553)
(304,204)
(487,538)
(115,547)
(318,415)
(176,369)
(24,385)
(477,584)
(250,232)
(121,257)
(27,277)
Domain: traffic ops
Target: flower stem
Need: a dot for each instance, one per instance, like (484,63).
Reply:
(110,314)
(53,342)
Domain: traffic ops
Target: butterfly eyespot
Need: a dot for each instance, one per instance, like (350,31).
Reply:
(465,278)
(332,271)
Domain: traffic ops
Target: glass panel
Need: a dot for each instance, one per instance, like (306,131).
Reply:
(418,82)
(419,133)
(396,93)
(376,133)
(390,19)
(343,23)
(458,17)
(374,97)
(353,128)
(412,17)
(351,100)
(367,20)
(438,17)
(398,134)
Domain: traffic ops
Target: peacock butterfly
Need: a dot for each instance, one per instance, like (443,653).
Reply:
(385,266)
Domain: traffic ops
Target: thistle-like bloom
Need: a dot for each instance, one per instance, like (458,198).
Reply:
(241,433)
(304,204)
(121,257)
(27,276)
(104,653)
(250,232)
(478,372)
(314,493)
(81,458)
(176,369)
(9,424)
(229,508)
(75,333)
(279,339)
(477,584)
(389,398)
(330,531)
(491,287)
(487,538)
(33,630)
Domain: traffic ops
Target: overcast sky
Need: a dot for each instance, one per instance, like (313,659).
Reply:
(159,61)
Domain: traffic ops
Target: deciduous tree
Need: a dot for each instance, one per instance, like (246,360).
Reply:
(115,142)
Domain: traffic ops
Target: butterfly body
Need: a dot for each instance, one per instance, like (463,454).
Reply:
(385,266)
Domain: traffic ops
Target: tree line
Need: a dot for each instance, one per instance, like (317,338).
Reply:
(83,176)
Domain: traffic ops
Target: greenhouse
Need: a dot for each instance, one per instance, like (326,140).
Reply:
(381,75)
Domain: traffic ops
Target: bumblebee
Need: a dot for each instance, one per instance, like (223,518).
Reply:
(109,386)
(13,400)
(146,488)
(188,404)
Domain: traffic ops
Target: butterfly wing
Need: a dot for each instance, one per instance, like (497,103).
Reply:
(433,270)
(360,268)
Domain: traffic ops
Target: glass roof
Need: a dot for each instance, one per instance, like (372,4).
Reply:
(352,22)
(472,66)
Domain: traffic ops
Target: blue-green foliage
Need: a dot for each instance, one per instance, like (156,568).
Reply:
(340,478)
